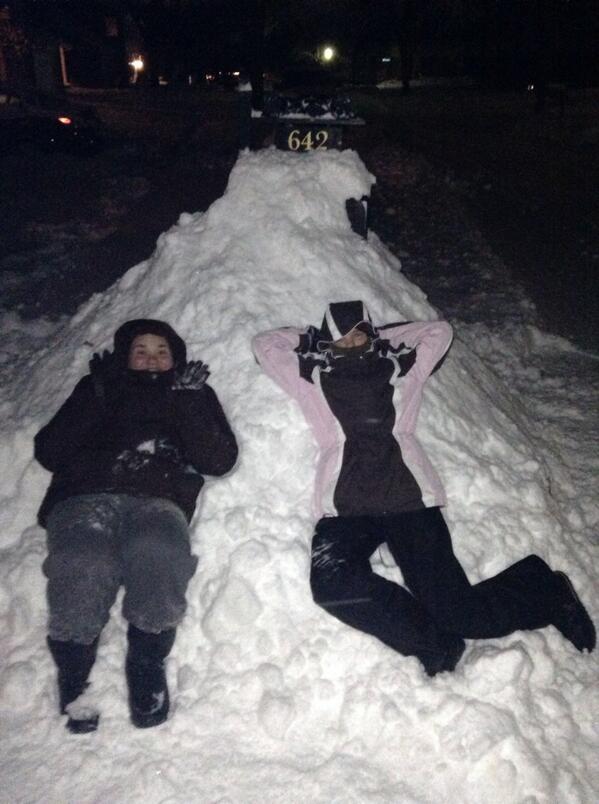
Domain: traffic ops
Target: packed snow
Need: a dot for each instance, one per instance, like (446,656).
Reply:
(273,699)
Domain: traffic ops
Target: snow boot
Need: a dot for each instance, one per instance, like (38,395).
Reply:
(447,661)
(74,662)
(570,616)
(146,677)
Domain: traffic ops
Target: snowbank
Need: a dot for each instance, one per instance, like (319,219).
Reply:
(274,700)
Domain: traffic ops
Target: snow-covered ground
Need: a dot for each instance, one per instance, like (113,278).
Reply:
(273,700)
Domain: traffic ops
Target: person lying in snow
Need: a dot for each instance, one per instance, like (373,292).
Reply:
(360,388)
(127,451)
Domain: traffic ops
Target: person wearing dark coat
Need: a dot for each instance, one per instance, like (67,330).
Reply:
(127,451)
(360,388)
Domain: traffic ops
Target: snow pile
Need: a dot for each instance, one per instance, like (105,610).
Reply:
(273,700)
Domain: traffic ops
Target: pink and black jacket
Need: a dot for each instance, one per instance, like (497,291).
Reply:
(362,405)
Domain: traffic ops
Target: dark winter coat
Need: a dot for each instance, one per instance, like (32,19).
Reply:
(131,433)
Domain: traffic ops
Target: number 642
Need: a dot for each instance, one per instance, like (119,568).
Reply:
(309,142)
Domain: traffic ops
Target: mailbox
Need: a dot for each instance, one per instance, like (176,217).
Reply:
(316,123)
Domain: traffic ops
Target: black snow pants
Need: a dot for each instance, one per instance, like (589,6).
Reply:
(440,604)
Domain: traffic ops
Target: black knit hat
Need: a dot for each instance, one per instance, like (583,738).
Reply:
(127,332)
(341,317)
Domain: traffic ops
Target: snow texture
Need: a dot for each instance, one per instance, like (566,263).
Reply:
(273,700)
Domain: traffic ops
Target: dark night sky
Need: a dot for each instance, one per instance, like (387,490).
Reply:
(503,42)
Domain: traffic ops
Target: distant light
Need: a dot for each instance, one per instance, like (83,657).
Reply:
(386,59)
(66,121)
(530,87)
(137,63)
(236,74)
(328,53)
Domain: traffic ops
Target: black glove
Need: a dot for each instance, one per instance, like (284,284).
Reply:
(191,377)
(103,365)
(308,341)
(104,371)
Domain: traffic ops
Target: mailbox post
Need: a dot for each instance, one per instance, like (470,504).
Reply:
(310,124)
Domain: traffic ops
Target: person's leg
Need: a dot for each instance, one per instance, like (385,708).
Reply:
(74,662)
(571,618)
(526,595)
(344,584)
(157,564)
(149,700)
(157,567)
(82,566)
(83,579)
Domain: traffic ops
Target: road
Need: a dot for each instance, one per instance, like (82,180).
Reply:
(74,225)
(529,181)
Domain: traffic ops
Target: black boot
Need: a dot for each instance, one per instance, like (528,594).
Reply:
(447,661)
(74,662)
(146,679)
(570,616)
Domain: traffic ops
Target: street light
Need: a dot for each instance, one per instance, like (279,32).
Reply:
(138,64)
(328,53)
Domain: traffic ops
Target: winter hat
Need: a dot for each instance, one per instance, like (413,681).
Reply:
(341,317)
(127,332)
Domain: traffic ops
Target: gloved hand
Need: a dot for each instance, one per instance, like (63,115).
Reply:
(308,340)
(103,365)
(191,377)
(105,372)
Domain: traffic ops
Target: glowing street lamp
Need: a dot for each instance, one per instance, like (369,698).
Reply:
(138,64)
(328,53)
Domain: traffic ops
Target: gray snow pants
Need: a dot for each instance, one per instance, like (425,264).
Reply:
(98,542)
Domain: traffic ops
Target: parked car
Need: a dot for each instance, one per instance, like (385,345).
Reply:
(47,122)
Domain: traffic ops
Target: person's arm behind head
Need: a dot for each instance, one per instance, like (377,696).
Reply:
(430,339)
(276,353)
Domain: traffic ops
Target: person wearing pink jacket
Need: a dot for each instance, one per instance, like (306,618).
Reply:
(360,388)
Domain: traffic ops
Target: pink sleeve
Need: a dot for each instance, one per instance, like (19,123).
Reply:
(275,352)
(431,339)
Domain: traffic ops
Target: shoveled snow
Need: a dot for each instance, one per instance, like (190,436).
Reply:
(273,700)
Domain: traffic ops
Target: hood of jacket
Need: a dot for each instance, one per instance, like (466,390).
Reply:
(127,332)
(341,317)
